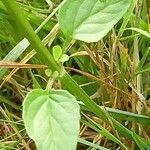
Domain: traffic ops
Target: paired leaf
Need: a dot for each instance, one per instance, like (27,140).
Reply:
(52,119)
(90,20)
(57,52)
(64,58)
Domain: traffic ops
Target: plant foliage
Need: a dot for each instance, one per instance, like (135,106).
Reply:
(90,20)
(51,119)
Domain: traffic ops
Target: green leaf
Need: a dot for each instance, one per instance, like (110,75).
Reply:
(64,58)
(57,52)
(145,33)
(48,72)
(90,20)
(97,127)
(123,115)
(143,60)
(127,17)
(95,146)
(14,54)
(141,144)
(52,119)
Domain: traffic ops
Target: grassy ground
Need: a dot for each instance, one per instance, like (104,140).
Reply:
(114,73)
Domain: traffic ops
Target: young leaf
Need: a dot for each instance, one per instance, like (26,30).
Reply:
(48,72)
(90,20)
(64,58)
(52,119)
(57,52)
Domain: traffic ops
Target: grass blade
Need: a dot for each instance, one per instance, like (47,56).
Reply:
(14,54)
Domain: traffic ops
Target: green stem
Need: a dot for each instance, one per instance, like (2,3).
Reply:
(49,17)
(30,8)
(51,80)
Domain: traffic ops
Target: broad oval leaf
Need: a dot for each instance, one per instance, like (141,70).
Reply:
(52,119)
(90,20)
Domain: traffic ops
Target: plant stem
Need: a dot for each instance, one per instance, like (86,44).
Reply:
(50,16)
(51,80)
